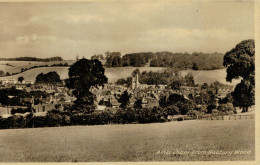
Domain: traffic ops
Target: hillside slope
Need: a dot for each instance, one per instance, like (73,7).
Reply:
(114,74)
(16,66)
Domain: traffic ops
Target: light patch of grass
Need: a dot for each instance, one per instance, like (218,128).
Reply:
(133,142)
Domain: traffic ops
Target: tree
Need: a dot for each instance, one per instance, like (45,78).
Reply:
(240,63)
(7,74)
(189,80)
(116,61)
(136,71)
(138,104)
(204,86)
(124,99)
(20,79)
(176,84)
(48,78)
(195,66)
(2,73)
(85,74)
(163,102)
(121,81)
(243,95)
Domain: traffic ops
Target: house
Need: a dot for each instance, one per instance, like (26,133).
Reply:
(12,81)
(43,107)
(152,102)
(115,104)
(100,107)
(4,81)
(20,86)
(132,101)
(29,82)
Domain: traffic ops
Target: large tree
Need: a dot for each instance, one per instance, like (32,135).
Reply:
(240,63)
(84,75)
(124,99)
(49,78)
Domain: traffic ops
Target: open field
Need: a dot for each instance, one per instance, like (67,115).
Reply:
(16,66)
(113,74)
(209,76)
(198,140)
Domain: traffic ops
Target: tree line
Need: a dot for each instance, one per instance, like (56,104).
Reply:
(57,58)
(169,77)
(195,61)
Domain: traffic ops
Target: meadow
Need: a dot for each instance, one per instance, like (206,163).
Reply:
(172,141)
(16,66)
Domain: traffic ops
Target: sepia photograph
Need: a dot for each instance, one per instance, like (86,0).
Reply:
(127,81)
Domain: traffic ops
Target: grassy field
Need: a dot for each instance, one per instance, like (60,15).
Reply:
(114,74)
(173,141)
(209,76)
(16,66)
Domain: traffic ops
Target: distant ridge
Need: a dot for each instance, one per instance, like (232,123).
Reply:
(57,58)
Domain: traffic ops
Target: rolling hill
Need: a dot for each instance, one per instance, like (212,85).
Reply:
(16,66)
(113,74)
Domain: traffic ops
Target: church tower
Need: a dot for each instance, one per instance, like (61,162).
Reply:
(135,82)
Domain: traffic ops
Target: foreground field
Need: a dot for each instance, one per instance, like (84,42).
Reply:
(174,141)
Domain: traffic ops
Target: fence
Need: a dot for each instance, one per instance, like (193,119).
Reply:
(229,117)
(240,117)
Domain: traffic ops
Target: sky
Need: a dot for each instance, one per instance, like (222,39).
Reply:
(70,29)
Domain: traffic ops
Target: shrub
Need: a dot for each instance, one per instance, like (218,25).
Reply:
(39,121)
(105,117)
(53,118)
(215,112)
(150,115)
(20,110)
(125,116)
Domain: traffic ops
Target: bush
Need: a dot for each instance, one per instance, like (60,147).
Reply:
(57,118)
(20,110)
(53,118)
(39,121)
(150,115)
(215,112)
(125,116)
(105,117)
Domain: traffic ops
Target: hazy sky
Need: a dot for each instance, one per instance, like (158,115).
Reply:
(69,29)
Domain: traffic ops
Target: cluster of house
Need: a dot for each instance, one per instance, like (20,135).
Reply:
(58,96)
(107,97)
(16,82)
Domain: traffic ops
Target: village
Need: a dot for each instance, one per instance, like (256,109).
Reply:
(58,96)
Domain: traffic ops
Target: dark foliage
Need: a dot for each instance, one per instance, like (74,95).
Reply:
(240,63)
(48,78)
(124,99)
(84,75)
(20,79)
(195,61)
(32,59)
